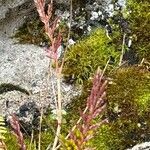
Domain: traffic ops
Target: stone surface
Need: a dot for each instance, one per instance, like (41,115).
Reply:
(13,14)
(142,146)
(27,65)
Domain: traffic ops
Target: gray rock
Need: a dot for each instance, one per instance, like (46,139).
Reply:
(27,66)
(142,146)
(13,14)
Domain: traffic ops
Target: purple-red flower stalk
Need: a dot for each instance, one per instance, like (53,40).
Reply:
(17,132)
(52,52)
(95,106)
(50,29)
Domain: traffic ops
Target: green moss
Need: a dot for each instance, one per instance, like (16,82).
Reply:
(106,133)
(78,103)
(47,138)
(32,32)
(128,86)
(127,110)
(29,145)
(78,3)
(139,19)
(10,141)
(83,58)
(143,101)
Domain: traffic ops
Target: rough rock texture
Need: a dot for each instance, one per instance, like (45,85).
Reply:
(7,5)
(13,14)
(25,65)
(143,146)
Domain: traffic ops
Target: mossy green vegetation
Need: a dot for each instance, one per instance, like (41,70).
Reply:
(11,140)
(139,19)
(78,3)
(47,134)
(131,83)
(12,143)
(83,58)
(2,128)
(32,141)
(127,110)
(78,103)
(32,32)
(46,139)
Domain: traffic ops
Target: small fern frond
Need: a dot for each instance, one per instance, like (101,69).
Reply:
(2,132)
(2,128)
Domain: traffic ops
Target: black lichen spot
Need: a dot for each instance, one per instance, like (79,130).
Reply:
(6,87)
